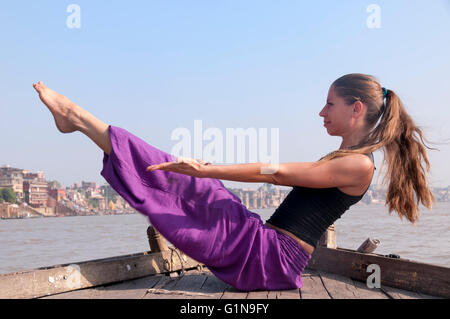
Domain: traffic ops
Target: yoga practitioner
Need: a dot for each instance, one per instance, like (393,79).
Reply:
(189,205)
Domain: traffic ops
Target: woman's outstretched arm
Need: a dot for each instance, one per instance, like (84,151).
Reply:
(250,173)
(350,170)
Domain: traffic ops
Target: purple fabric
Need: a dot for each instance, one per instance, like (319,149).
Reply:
(203,219)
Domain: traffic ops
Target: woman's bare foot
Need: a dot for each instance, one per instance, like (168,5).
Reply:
(69,117)
(66,113)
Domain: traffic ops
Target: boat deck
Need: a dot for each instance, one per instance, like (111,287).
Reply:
(195,284)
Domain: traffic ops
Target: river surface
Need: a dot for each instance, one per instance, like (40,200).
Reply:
(39,242)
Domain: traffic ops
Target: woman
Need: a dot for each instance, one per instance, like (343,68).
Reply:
(189,205)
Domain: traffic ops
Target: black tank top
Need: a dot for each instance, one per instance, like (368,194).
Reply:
(308,212)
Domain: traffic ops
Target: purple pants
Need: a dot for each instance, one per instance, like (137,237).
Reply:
(203,219)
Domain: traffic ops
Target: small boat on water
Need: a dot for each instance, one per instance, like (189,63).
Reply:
(165,272)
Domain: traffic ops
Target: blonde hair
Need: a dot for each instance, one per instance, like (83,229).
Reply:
(397,134)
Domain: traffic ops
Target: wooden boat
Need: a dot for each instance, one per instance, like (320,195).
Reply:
(165,272)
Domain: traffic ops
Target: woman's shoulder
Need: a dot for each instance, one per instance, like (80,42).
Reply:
(354,156)
(360,162)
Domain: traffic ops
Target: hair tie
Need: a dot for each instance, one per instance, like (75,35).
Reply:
(383,107)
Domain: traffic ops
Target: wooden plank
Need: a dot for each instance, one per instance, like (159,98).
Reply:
(284,294)
(364,292)
(63,278)
(396,293)
(190,285)
(233,293)
(213,287)
(313,288)
(184,287)
(162,289)
(132,289)
(89,293)
(398,273)
(259,294)
(424,296)
(338,287)
(288,294)
(272,294)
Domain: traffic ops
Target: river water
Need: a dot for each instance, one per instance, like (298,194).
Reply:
(33,243)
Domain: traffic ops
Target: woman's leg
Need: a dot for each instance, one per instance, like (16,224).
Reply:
(69,117)
(187,211)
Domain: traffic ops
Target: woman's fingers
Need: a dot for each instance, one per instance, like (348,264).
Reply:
(168,166)
(183,165)
(157,166)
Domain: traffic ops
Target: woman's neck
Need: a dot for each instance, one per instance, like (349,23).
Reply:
(353,140)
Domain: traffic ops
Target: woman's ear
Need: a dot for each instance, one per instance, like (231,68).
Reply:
(358,108)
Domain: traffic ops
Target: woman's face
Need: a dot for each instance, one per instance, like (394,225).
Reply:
(337,115)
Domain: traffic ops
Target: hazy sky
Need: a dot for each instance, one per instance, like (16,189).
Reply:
(153,66)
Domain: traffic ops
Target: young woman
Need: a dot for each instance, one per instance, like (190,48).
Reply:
(185,200)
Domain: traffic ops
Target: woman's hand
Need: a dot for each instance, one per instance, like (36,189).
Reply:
(183,165)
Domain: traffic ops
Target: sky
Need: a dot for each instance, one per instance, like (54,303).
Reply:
(151,67)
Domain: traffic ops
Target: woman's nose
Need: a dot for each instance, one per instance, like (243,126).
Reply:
(322,113)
